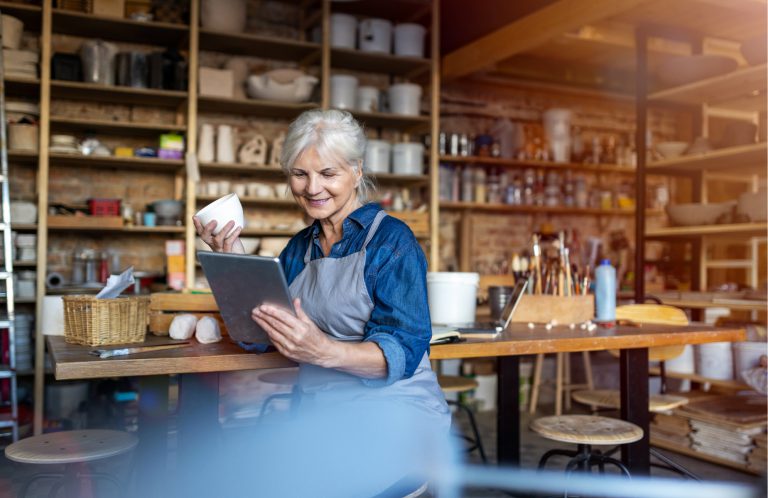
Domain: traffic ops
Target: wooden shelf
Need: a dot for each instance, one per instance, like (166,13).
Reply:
(414,124)
(122,163)
(30,15)
(125,229)
(24,227)
(246,169)
(268,47)
(266,232)
(388,178)
(22,87)
(260,201)
(371,62)
(744,158)
(393,10)
(76,90)
(104,126)
(741,229)
(22,156)
(85,25)
(252,107)
(520,164)
(23,264)
(720,91)
(507,208)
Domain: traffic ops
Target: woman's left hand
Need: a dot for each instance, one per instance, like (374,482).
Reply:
(295,337)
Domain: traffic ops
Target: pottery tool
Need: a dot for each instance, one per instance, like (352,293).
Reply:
(568,280)
(537,263)
(109,353)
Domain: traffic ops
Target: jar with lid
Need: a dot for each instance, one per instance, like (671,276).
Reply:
(580,194)
(483,145)
(463,145)
(494,188)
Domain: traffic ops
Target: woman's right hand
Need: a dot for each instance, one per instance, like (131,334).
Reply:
(220,242)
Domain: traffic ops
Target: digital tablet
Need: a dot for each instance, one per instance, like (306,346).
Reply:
(240,283)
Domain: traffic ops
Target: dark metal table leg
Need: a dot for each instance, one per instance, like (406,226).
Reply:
(508,414)
(634,408)
(152,452)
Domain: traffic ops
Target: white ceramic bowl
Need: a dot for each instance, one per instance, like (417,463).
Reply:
(697,214)
(223,210)
(283,85)
(671,150)
(250,244)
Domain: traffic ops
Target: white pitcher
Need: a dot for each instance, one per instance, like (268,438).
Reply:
(225,146)
(205,150)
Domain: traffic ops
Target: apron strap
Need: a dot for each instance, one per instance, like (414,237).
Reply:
(308,254)
(374,226)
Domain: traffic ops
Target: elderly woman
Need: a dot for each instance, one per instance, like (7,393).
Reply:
(357,276)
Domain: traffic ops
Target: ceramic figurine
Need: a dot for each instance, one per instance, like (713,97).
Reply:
(254,151)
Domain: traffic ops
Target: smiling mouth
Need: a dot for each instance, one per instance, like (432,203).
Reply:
(317,202)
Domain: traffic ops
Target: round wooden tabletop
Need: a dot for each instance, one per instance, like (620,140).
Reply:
(456,384)
(71,446)
(282,376)
(610,398)
(587,429)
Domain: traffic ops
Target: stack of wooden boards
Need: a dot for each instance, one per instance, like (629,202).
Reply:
(726,428)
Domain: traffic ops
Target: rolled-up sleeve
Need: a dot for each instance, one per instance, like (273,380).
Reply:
(399,322)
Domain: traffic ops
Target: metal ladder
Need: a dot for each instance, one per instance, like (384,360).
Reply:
(7,326)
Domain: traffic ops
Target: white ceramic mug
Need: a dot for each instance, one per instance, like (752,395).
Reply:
(225,147)
(367,99)
(205,150)
(223,210)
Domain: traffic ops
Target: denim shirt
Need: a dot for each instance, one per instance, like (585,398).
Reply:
(395,276)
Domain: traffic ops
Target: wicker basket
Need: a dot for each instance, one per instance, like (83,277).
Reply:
(98,322)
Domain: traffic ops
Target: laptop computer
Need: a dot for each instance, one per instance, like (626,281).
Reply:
(496,327)
(240,283)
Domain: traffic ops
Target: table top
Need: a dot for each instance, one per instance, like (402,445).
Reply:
(71,361)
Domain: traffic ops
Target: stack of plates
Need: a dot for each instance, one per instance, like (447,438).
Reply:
(20,63)
(23,324)
(64,144)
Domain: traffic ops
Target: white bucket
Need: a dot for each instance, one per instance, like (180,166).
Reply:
(343,28)
(408,158)
(747,355)
(684,363)
(405,98)
(377,154)
(715,360)
(367,99)
(452,296)
(409,39)
(343,91)
(375,35)
(53,315)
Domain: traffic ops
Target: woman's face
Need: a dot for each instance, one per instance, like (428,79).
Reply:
(323,190)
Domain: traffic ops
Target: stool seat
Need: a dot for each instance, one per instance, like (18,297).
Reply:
(587,429)
(611,398)
(71,446)
(456,384)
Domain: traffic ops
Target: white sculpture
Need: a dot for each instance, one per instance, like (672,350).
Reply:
(254,151)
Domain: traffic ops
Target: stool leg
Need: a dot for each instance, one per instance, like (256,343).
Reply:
(475,431)
(617,463)
(536,383)
(588,370)
(25,488)
(559,385)
(555,452)
(671,464)
(567,379)
(101,475)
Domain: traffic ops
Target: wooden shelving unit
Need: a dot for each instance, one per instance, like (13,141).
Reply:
(522,164)
(507,208)
(125,229)
(387,178)
(741,159)
(23,87)
(28,14)
(253,107)
(113,127)
(356,60)
(76,90)
(24,227)
(259,232)
(256,201)
(411,124)
(121,163)
(245,169)
(23,157)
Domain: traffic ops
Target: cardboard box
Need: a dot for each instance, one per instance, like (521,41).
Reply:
(69,221)
(216,82)
(175,263)
(110,8)
(543,309)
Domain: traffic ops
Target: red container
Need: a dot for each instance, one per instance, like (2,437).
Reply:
(104,207)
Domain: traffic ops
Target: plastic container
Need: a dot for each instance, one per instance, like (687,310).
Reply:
(377,153)
(408,158)
(343,91)
(605,292)
(747,355)
(409,39)
(405,98)
(714,360)
(375,35)
(343,30)
(452,296)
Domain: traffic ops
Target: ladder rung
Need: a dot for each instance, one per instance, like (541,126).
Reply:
(5,275)
(7,421)
(6,373)
(4,324)
(3,226)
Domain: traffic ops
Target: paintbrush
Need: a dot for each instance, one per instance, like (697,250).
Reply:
(109,353)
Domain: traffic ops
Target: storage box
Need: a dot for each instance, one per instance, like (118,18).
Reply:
(216,82)
(543,309)
(104,207)
(111,8)
(100,322)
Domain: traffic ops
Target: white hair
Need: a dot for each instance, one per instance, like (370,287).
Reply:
(336,137)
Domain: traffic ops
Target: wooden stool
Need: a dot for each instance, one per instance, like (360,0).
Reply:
(457,384)
(586,431)
(282,377)
(610,398)
(69,449)
(563,386)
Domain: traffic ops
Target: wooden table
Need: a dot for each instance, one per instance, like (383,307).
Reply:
(200,365)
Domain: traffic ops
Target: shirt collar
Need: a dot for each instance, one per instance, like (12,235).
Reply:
(362,216)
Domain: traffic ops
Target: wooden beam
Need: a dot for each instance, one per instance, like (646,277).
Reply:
(529,32)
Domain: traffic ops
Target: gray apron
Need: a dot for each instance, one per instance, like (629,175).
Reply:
(334,295)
